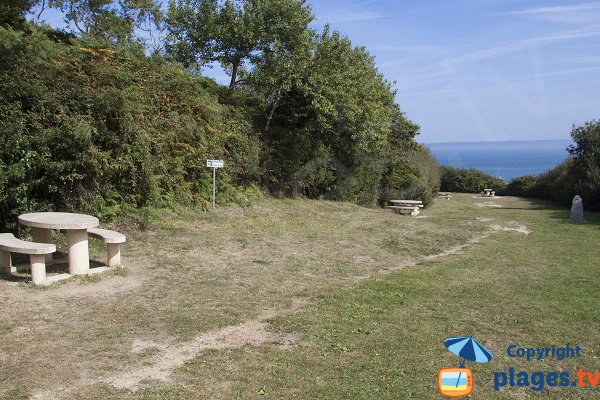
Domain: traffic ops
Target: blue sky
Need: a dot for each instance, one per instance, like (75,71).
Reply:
(478,70)
(481,70)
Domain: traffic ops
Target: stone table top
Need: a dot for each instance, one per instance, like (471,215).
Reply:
(407,201)
(58,220)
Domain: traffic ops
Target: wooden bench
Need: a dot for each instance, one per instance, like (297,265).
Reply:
(37,255)
(113,242)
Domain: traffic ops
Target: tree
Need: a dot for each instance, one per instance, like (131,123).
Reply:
(235,33)
(12,12)
(586,163)
(334,106)
(279,71)
(109,19)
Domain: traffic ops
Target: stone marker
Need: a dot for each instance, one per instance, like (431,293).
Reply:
(577,209)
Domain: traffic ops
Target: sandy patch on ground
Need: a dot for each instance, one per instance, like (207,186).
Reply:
(515,227)
(489,204)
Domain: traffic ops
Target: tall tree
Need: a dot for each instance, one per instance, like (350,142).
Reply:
(235,33)
(113,20)
(586,160)
(12,12)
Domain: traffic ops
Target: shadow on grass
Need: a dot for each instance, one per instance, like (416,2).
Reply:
(555,211)
(523,208)
(59,265)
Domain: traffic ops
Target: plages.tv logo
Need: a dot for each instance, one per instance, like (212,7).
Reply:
(458,382)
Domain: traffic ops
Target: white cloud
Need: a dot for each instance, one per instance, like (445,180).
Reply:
(355,16)
(522,44)
(559,9)
(570,14)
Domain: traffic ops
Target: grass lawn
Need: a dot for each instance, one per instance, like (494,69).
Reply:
(313,299)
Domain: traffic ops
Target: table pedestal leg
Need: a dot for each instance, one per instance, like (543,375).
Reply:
(38,268)
(5,262)
(43,235)
(114,255)
(79,256)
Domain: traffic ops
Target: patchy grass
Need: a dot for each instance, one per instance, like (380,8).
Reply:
(354,301)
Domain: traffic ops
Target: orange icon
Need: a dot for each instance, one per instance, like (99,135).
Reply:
(455,382)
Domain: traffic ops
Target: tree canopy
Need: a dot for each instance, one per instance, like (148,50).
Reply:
(94,119)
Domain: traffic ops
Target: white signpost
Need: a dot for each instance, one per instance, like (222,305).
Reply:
(214,164)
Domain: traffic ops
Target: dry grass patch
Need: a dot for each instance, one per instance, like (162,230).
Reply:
(196,274)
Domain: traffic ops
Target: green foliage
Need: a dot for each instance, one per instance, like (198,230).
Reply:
(90,123)
(12,12)
(235,33)
(556,184)
(520,186)
(468,180)
(578,174)
(333,125)
(416,176)
(96,129)
(586,161)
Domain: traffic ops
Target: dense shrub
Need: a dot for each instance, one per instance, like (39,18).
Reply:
(414,177)
(94,129)
(520,186)
(89,122)
(577,175)
(467,180)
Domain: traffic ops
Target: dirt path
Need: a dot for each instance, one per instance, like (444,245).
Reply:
(169,355)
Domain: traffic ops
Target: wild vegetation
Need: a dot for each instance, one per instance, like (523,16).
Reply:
(468,180)
(113,115)
(577,175)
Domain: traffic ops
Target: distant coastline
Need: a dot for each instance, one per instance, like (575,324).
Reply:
(503,159)
(495,142)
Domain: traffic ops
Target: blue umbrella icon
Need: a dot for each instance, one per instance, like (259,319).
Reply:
(469,349)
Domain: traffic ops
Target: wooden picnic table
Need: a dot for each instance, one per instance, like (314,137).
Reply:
(76,227)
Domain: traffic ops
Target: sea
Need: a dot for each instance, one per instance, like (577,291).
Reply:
(506,160)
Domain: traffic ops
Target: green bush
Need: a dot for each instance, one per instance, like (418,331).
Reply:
(414,177)
(92,124)
(579,174)
(468,180)
(93,129)
(520,186)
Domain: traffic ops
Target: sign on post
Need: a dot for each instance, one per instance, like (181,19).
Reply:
(214,164)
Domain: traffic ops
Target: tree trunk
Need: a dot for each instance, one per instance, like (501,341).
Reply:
(273,108)
(234,71)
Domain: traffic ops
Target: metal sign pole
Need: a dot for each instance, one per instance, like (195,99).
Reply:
(214,164)
(214,185)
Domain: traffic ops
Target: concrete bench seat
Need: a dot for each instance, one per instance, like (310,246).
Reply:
(412,210)
(113,242)
(37,255)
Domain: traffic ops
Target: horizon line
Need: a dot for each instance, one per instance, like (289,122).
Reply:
(497,141)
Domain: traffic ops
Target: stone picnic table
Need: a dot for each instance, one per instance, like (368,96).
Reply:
(412,206)
(76,227)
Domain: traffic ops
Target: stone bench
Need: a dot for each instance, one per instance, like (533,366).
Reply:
(412,210)
(37,255)
(113,242)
